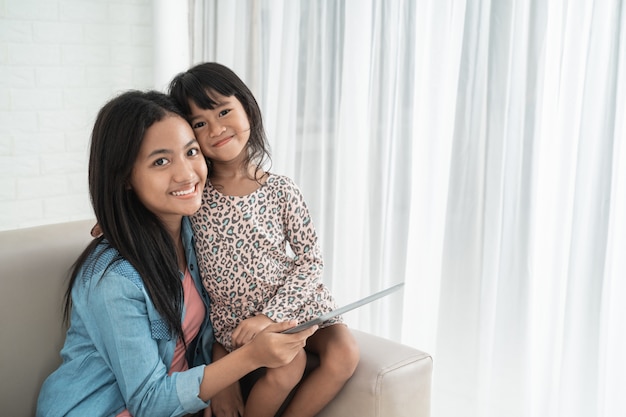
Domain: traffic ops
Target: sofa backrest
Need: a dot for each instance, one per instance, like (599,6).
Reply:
(34,267)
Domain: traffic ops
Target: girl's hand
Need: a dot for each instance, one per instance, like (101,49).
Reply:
(249,328)
(270,348)
(274,349)
(207,412)
(228,402)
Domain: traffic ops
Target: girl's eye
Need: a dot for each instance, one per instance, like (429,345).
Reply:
(197,125)
(160,162)
(193,152)
(224,112)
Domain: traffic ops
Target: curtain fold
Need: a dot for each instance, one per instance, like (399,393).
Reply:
(472,149)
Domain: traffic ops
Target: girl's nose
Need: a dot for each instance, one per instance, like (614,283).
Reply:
(185,171)
(216,129)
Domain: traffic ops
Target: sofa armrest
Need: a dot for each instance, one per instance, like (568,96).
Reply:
(391,380)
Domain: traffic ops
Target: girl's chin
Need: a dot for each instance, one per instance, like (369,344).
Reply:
(191,211)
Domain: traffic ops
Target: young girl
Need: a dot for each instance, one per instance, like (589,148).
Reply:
(139,335)
(247,219)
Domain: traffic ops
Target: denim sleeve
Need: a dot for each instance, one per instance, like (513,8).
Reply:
(126,339)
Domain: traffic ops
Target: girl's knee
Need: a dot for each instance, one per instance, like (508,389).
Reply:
(342,358)
(351,356)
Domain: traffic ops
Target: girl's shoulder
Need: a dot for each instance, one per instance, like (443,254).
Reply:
(105,260)
(280,181)
(284,189)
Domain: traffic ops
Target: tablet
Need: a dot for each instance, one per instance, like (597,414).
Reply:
(324,317)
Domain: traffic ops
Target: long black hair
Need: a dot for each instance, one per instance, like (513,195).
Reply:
(126,224)
(197,84)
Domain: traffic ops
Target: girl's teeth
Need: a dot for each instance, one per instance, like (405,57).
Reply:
(179,193)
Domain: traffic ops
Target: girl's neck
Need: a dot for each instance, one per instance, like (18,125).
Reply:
(236,168)
(237,182)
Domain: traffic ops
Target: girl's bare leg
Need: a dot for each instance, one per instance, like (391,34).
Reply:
(271,390)
(339,356)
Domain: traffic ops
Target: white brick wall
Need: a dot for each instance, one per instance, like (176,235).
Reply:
(60,60)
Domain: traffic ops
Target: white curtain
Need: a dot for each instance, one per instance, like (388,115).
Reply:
(472,149)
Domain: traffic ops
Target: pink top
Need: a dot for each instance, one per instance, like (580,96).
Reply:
(194,315)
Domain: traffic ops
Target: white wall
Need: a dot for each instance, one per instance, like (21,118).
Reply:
(60,60)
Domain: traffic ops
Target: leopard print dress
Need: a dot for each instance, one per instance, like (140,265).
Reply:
(242,247)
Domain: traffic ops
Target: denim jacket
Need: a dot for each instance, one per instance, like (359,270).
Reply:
(118,349)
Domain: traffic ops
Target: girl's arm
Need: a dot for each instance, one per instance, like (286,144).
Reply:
(270,348)
(305,275)
(229,401)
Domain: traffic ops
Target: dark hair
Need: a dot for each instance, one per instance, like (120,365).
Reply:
(126,224)
(199,82)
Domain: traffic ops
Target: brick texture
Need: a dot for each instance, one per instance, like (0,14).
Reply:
(60,60)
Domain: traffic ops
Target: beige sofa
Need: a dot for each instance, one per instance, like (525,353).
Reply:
(392,380)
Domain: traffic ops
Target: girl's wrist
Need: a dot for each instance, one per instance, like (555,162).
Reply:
(248,357)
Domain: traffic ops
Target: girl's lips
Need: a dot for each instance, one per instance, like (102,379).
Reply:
(222,142)
(186,192)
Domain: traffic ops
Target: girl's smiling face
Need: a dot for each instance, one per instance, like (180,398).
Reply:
(170,171)
(223,132)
